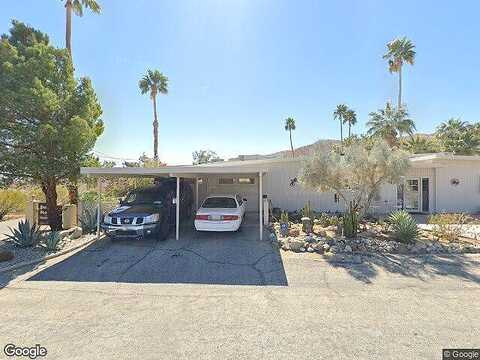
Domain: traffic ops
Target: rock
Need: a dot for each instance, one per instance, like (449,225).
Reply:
(357,259)
(326,247)
(348,249)
(295,245)
(302,249)
(293,232)
(309,239)
(402,248)
(6,255)
(322,233)
(310,249)
(76,233)
(334,249)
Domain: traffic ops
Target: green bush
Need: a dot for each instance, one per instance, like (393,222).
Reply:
(52,240)
(25,235)
(403,226)
(325,220)
(11,201)
(448,226)
(88,217)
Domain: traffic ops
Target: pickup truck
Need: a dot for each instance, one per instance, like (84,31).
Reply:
(149,211)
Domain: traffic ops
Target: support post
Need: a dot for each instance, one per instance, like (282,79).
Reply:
(177,211)
(99,205)
(260,200)
(196,193)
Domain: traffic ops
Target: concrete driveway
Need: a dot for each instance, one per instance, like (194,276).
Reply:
(105,305)
(201,258)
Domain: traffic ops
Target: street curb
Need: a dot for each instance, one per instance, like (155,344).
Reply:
(53,256)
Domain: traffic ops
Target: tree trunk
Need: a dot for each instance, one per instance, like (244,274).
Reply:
(291,143)
(155,129)
(341,131)
(349,129)
(400,87)
(68,30)
(49,188)
(73,192)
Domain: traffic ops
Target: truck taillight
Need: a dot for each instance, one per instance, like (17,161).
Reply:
(201,217)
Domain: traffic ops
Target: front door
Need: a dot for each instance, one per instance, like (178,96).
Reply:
(412,195)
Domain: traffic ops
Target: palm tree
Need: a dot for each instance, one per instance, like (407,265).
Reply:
(77,7)
(420,145)
(339,114)
(399,51)
(350,118)
(289,126)
(154,82)
(390,123)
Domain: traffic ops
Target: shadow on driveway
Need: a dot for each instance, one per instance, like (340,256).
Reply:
(198,258)
(421,267)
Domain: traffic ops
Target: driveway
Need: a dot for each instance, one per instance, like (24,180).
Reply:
(201,258)
(103,305)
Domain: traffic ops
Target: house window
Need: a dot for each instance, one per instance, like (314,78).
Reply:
(200,181)
(246,180)
(226,181)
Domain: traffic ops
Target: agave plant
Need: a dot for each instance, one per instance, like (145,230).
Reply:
(404,226)
(51,240)
(88,218)
(25,235)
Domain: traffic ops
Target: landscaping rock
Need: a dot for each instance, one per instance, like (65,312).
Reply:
(6,255)
(76,233)
(310,249)
(326,247)
(295,245)
(348,249)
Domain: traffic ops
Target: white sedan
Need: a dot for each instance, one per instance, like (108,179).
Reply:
(220,213)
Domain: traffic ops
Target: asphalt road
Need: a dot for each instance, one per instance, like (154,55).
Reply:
(395,308)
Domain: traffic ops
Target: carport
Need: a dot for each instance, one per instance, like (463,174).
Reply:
(193,172)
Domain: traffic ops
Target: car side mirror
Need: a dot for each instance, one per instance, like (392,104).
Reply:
(244,199)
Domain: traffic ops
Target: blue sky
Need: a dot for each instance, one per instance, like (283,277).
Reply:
(237,68)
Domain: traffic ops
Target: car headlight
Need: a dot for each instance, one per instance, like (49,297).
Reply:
(107,219)
(152,218)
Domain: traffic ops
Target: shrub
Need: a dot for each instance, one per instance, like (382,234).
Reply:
(11,201)
(51,240)
(88,217)
(25,235)
(448,226)
(325,220)
(404,226)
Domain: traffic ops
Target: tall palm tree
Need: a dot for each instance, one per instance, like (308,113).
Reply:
(390,123)
(77,7)
(339,114)
(154,82)
(289,126)
(399,51)
(350,118)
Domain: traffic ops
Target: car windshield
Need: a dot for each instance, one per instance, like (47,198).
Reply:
(220,202)
(142,197)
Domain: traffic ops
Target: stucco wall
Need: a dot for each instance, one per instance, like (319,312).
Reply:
(462,197)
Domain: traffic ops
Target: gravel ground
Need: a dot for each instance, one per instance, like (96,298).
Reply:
(470,231)
(38,252)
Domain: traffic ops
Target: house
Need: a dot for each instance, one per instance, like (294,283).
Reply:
(438,182)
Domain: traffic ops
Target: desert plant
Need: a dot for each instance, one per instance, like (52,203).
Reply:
(51,240)
(350,222)
(448,226)
(284,217)
(10,201)
(403,226)
(307,211)
(88,217)
(25,235)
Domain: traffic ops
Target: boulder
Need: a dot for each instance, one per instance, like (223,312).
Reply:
(295,245)
(6,255)
(76,233)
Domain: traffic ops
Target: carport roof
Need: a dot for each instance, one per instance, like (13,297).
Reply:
(224,167)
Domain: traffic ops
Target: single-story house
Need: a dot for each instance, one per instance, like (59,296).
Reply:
(437,182)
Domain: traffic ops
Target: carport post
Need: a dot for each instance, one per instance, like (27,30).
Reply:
(260,205)
(196,193)
(177,210)
(99,205)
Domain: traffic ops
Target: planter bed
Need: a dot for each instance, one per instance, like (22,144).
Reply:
(29,254)
(372,240)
